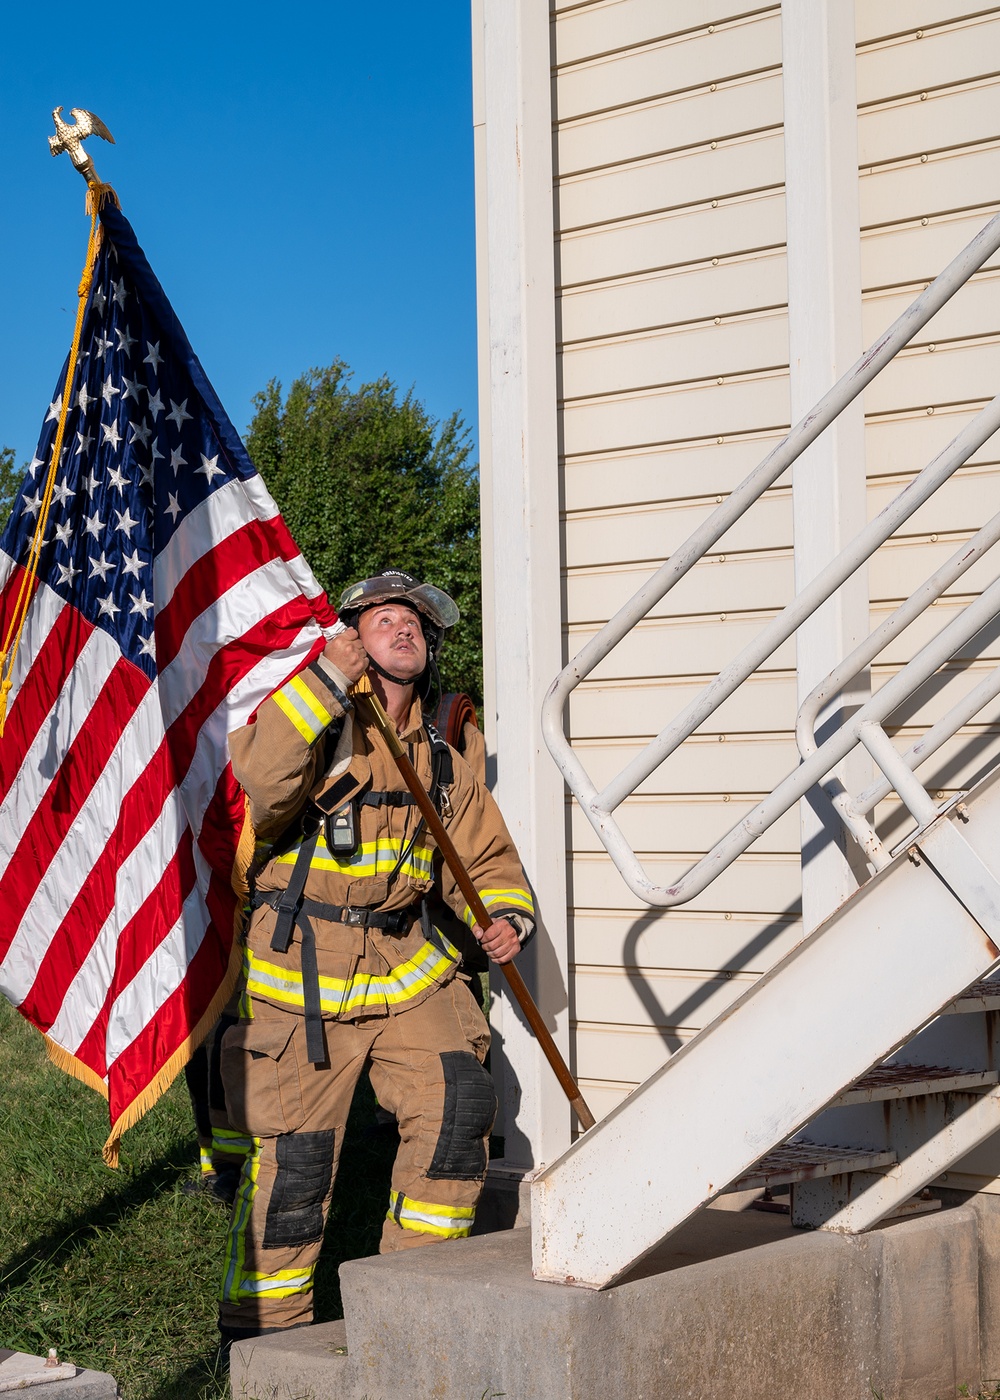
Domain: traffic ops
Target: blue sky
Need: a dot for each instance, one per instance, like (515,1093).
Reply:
(301,180)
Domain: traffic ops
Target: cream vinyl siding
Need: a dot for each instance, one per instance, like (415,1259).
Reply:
(672,365)
(929,151)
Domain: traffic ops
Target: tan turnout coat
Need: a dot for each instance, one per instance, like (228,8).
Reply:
(308,738)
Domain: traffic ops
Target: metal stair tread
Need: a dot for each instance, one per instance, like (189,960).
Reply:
(983,995)
(801,1161)
(900,1081)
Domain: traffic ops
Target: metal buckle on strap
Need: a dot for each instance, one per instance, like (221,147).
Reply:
(356,918)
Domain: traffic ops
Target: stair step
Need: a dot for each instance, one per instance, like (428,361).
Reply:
(802,1161)
(981,996)
(907,1081)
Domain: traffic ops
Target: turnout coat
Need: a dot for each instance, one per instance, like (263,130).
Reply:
(317,774)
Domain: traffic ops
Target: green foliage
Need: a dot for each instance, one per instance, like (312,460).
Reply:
(367,480)
(11,476)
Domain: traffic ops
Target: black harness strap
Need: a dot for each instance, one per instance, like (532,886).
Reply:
(290,899)
(312,1004)
(386,799)
(390,920)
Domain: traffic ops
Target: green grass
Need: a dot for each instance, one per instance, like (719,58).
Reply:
(119,1269)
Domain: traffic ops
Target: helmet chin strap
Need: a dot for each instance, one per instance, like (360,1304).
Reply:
(387,675)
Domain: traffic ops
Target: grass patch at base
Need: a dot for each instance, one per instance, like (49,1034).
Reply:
(120,1269)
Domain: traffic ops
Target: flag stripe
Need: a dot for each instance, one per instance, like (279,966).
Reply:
(58,729)
(56,657)
(86,1036)
(303,579)
(249,601)
(218,570)
(93,1049)
(141,979)
(79,963)
(163,1035)
(208,729)
(75,818)
(210,522)
(149,927)
(42,617)
(160,977)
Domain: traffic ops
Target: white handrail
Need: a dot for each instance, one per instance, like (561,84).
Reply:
(599,806)
(865,652)
(929,659)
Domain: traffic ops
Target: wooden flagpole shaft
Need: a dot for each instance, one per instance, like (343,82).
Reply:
(514,979)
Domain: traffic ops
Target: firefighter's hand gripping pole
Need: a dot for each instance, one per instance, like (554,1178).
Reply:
(363,691)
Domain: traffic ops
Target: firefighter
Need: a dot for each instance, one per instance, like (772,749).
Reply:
(345,968)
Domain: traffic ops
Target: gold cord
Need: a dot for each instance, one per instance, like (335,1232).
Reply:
(96,196)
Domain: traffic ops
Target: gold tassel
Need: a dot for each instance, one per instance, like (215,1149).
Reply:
(98,194)
(29,579)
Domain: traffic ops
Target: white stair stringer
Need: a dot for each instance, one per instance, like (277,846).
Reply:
(845,998)
(947,1126)
(859,1201)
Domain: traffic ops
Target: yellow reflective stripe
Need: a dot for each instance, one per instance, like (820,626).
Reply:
(236,1243)
(299,704)
(449,1222)
(226,1140)
(371,858)
(514,898)
(283,1283)
(206,1161)
(338,994)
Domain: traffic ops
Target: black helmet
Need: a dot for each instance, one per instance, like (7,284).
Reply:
(438,612)
(396,586)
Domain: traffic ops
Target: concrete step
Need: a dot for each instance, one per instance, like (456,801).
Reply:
(761,1309)
(306,1363)
(22,1374)
(908,1081)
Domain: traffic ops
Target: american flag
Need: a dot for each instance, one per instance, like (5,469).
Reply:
(171,601)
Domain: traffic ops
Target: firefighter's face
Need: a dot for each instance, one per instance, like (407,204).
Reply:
(392,634)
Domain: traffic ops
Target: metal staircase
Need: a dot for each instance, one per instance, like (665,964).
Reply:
(863,1064)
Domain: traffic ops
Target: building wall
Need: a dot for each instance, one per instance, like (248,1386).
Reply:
(672,382)
(673,379)
(928,127)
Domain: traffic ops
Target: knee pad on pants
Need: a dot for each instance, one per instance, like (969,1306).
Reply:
(304,1175)
(470,1106)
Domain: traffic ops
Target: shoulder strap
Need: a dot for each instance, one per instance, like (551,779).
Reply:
(291,898)
(442,767)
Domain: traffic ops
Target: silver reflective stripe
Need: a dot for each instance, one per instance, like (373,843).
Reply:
(293,1283)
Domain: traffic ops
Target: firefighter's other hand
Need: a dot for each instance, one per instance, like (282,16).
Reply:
(347,654)
(500,941)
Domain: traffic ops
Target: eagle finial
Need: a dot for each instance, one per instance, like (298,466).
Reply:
(71,138)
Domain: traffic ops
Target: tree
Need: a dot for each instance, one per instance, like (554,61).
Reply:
(366,480)
(11,477)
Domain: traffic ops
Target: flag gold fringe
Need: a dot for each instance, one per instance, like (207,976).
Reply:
(166,1076)
(69,1064)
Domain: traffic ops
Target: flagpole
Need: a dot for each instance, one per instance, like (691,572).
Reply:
(68,138)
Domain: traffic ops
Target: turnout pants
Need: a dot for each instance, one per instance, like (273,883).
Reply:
(425,1064)
(221,1148)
